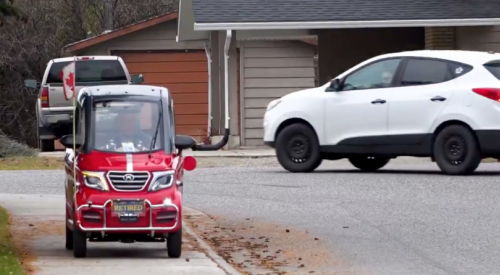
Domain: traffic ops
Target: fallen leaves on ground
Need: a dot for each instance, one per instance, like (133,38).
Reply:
(262,248)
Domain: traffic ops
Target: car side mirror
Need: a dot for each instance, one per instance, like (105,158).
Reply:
(31,83)
(67,141)
(334,86)
(184,142)
(137,79)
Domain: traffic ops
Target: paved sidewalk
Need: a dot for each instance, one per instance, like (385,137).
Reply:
(246,153)
(36,216)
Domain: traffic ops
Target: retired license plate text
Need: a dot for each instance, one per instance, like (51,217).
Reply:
(128,207)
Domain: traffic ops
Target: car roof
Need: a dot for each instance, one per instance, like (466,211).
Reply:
(96,57)
(125,89)
(469,57)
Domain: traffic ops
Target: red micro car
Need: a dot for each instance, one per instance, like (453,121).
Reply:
(124,179)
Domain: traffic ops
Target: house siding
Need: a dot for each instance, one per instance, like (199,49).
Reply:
(159,37)
(270,70)
(483,38)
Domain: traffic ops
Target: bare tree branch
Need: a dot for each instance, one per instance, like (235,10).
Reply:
(25,50)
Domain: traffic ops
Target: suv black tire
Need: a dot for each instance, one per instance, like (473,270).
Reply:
(368,163)
(47,145)
(456,150)
(174,244)
(297,148)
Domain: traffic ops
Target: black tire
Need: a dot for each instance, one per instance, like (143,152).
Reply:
(456,150)
(368,163)
(47,145)
(69,235)
(79,241)
(297,148)
(174,244)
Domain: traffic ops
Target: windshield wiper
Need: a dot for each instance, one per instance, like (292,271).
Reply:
(153,141)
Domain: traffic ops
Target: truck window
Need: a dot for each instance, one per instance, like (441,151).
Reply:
(90,71)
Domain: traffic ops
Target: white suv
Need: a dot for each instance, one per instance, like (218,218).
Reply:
(439,104)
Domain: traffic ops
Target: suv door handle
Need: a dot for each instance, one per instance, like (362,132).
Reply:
(438,98)
(381,101)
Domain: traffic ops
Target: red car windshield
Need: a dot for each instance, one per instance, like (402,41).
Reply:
(126,126)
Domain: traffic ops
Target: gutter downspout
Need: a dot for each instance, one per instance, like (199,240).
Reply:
(225,139)
(209,61)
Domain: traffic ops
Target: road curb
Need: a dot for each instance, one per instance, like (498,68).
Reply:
(210,252)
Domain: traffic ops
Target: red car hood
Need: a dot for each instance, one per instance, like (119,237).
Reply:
(99,161)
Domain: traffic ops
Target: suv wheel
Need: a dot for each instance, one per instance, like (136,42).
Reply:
(297,148)
(174,244)
(456,150)
(47,145)
(368,163)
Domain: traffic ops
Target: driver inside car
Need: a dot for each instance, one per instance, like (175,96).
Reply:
(129,133)
(387,78)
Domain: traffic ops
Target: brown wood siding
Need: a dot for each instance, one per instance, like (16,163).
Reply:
(185,74)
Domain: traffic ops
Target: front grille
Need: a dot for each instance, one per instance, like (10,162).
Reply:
(128,181)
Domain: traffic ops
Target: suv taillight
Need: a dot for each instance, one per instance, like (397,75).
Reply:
(44,97)
(491,93)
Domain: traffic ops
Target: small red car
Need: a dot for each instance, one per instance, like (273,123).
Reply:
(124,179)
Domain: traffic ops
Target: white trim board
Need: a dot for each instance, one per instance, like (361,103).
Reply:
(346,24)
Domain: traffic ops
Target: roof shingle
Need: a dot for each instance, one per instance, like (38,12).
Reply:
(241,11)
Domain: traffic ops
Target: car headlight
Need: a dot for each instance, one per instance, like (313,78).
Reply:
(273,104)
(95,180)
(162,181)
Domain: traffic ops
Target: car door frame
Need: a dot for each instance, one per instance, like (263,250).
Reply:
(358,141)
(399,78)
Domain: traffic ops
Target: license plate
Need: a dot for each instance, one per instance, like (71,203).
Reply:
(128,207)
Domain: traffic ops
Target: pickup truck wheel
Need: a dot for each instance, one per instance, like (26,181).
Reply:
(47,145)
(456,150)
(79,241)
(368,163)
(297,148)
(174,244)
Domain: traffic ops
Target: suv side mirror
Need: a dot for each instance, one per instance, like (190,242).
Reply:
(184,142)
(67,141)
(334,86)
(137,79)
(31,83)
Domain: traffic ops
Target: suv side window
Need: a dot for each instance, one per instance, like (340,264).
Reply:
(376,75)
(425,71)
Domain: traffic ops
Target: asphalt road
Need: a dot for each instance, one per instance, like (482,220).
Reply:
(406,219)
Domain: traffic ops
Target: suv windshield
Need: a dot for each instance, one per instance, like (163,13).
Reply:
(126,126)
(90,71)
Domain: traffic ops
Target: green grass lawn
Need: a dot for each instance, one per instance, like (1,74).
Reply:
(31,163)
(9,263)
